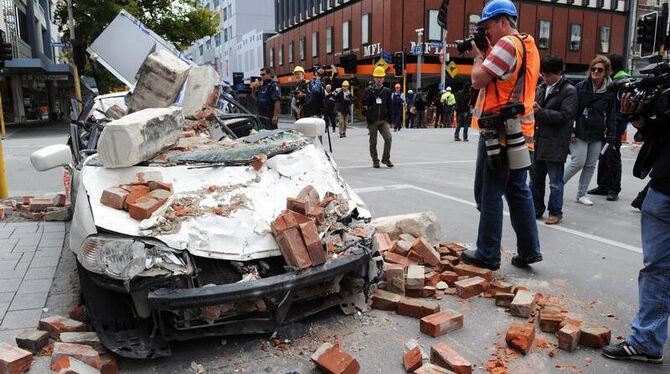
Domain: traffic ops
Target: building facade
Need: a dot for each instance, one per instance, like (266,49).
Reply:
(240,20)
(321,32)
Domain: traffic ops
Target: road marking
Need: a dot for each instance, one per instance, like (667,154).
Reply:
(470,203)
(411,164)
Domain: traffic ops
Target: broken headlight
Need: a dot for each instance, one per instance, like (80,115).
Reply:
(125,258)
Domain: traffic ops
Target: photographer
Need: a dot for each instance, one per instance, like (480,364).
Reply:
(650,325)
(507,76)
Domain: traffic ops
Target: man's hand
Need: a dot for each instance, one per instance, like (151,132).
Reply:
(536,106)
(629,104)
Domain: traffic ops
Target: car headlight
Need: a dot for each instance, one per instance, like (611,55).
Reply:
(125,258)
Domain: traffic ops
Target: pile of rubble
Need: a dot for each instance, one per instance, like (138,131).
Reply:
(73,349)
(140,199)
(37,208)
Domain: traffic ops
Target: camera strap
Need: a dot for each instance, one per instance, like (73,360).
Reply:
(519,84)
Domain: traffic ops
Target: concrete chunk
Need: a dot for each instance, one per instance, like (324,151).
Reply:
(423,224)
(201,83)
(160,79)
(415,277)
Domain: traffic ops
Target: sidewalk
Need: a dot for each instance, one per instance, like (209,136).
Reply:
(29,254)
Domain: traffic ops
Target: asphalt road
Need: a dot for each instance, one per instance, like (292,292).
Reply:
(591,263)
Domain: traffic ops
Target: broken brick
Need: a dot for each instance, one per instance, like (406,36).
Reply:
(109,364)
(455,248)
(80,352)
(114,197)
(414,293)
(443,355)
(470,287)
(40,204)
(317,213)
(426,251)
(383,242)
(523,304)
(14,360)
(310,195)
(70,365)
(429,368)
(500,286)
(316,250)
(25,199)
(568,337)
(58,200)
(257,161)
(287,219)
(86,338)
(504,299)
(158,185)
(449,276)
(160,195)
(473,271)
(293,248)
(385,300)
(412,359)
(519,287)
(520,336)
(441,323)
(135,191)
(432,278)
(428,291)
(296,205)
(59,214)
(397,259)
(143,207)
(327,199)
(395,278)
(78,313)
(417,308)
(415,277)
(32,340)
(550,320)
(402,246)
(58,324)
(332,360)
(414,257)
(595,336)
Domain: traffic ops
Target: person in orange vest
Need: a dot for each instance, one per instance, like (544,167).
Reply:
(506,75)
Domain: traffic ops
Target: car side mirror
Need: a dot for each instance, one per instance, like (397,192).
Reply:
(51,157)
(311,127)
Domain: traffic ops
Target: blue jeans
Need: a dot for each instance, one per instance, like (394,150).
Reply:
(490,186)
(538,177)
(650,325)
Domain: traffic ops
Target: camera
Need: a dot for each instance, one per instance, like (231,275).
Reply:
(644,91)
(479,38)
(516,149)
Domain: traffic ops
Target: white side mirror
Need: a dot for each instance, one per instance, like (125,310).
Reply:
(311,127)
(51,157)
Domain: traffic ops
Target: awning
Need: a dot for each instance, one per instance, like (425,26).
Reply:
(36,65)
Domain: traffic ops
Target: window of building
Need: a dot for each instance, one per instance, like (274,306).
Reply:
(290,52)
(201,49)
(217,39)
(215,3)
(472,23)
(225,14)
(434,30)
(604,46)
(544,34)
(575,37)
(315,44)
(209,44)
(272,58)
(346,32)
(23,25)
(329,39)
(365,29)
(225,35)
(301,47)
(281,55)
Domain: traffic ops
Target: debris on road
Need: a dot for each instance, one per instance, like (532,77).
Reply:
(443,355)
(332,360)
(520,336)
(14,360)
(32,340)
(43,208)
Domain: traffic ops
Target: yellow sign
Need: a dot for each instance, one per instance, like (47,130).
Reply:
(452,69)
(382,63)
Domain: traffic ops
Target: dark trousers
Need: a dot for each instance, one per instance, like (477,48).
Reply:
(383,128)
(609,169)
(331,120)
(538,177)
(464,122)
(448,116)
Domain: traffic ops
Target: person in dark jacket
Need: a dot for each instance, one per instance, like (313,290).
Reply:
(595,125)
(343,100)
(329,114)
(420,110)
(409,100)
(609,165)
(555,111)
(377,102)
(398,105)
(463,113)
(312,105)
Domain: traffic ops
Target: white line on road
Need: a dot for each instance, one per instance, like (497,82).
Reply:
(411,164)
(467,202)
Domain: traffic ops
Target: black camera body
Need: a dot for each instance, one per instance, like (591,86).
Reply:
(495,121)
(479,38)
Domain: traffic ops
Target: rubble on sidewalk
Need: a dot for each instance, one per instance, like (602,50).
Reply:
(83,353)
(41,208)
(332,360)
(14,360)
(441,354)
(55,325)
(32,340)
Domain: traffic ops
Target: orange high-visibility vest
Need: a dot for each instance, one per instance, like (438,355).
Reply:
(500,92)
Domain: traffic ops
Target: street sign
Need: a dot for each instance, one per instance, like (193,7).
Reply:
(387,57)
(417,49)
(57,44)
(381,62)
(436,45)
(440,86)
(452,69)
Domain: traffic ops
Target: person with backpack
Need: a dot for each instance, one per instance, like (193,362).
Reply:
(377,102)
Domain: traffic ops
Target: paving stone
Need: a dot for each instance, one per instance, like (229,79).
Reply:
(11,274)
(52,227)
(40,273)
(30,248)
(40,262)
(25,242)
(34,285)
(9,336)
(6,297)
(8,244)
(10,285)
(10,256)
(21,319)
(6,233)
(50,242)
(3,308)
(29,300)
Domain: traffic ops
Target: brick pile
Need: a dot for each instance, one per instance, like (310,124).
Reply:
(43,208)
(139,199)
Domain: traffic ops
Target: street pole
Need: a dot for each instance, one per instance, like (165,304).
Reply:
(444,58)
(2,119)
(419,57)
(404,95)
(3,179)
(77,87)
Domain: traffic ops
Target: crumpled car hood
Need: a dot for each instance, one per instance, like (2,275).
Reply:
(244,234)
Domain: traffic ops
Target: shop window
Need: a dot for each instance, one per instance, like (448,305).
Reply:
(365,29)
(434,30)
(302,48)
(315,44)
(290,52)
(575,37)
(472,23)
(329,39)
(225,35)
(346,32)
(544,34)
(604,46)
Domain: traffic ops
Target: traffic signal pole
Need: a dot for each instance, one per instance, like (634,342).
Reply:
(4,193)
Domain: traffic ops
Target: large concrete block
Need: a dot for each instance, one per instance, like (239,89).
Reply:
(423,224)
(159,81)
(139,136)
(199,87)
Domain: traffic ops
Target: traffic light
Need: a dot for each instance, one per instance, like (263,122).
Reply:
(5,53)
(646,33)
(442,14)
(399,64)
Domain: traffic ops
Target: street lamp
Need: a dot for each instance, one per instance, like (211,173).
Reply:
(419,42)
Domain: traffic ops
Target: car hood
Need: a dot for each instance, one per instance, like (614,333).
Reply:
(244,233)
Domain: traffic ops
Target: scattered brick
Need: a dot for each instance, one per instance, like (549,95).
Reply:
(550,320)
(32,340)
(158,185)
(523,304)
(426,252)
(412,359)
(78,313)
(310,195)
(395,278)
(257,161)
(519,287)
(449,276)
(58,200)
(316,250)
(452,259)
(160,195)
(595,336)
(504,299)
(443,355)
(429,368)
(293,248)
(40,204)
(296,205)
(455,248)
(327,199)
(332,360)
(473,271)
(432,278)
(500,286)
(520,336)
(470,287)
(428,291)
(59,214)
(571,319)
(109,364)
(317,213)
(25,199)
(383,242)
(55,325)
(397,259)
(143,207)
(135,192)
(402,246)
(14,360)
(385,300)
(86,338)
(2,214)
(287,219)
(568,337)
(70,365)
(415,277)
(114,197)
(80,352)
(417,308)
(441,323)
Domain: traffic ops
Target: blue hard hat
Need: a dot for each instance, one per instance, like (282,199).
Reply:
(495,8)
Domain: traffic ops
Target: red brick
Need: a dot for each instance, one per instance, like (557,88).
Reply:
(14,360)
(32,340)
(160,195)
(81,352)
(383,242)
(109,364)
(523,304)
(412,359)
(443,355)
(310,195)
(317,213)
(332,360)
(157,185)
(414,293)
(595,336)
(449,276)
(500,286)
(40,204)
(519,287)
(25,199)
(88,338)
(58,200)
(385,300)
(78,313)
(297,205)
(452,259)
(327,199)
(257,161)
(426,251)
(470,287)
(70,365)
(429,368)
(395,278)
(455,248)
(143,207)
(428,291)
(550,321)
(293,248)
(417,308)
(415,277)
(402,246)
(473,271)
(135,191)
(504,299)
(441,323)
(57,324)
(520,336)
(432,278)
(397,259)
(414,257)
(568,337)
(316,250)
(287,219)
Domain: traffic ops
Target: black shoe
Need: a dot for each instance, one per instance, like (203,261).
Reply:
(597,191)
(521,262)
(539,215)
(625,351)
(388,163)
(469,257)
(465,140)
(457,139)
(612,196)
(375,165)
